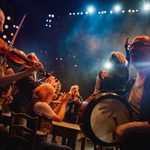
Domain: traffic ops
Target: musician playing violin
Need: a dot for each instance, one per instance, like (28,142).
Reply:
(9,79)
(4,80)
(23,88)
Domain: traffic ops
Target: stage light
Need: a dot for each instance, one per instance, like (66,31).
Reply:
(111,12)
(11,34)
(78,13)
(123,11)
(107,65)
(6,26)
(86,13)
(8,18)
(73,13)
(4,36)
(50,26)
(50,20)
(81,13)
(75,65)
(117,8)
(137,10)
(146,6)
(91,9)
(46,25)
(14,26)
(99,12)
(133,11)
(46,20)
(53,16)
(129,11)
(70,14)
(49,15)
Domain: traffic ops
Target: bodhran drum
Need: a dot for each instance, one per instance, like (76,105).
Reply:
(100,114)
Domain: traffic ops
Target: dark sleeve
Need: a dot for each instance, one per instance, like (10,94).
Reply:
(27,83)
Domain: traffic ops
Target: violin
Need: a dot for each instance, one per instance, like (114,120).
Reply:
(17,56)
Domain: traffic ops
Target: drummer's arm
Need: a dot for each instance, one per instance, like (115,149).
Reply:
(132,127)
(97,84)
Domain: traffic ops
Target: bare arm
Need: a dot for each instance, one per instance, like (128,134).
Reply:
(43,109)
(97,84)
(11,78)
(132,127)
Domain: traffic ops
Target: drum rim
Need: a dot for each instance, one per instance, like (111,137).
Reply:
(86,120)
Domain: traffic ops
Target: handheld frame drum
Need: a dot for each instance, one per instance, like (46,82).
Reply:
(100,114)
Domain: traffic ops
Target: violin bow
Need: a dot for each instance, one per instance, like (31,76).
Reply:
(15,35)
(17,31)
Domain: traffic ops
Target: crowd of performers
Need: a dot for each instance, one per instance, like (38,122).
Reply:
(23,92)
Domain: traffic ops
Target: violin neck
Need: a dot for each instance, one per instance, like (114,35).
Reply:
(22,56)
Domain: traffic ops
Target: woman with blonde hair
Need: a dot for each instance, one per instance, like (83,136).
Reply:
(39,105)
(43,97)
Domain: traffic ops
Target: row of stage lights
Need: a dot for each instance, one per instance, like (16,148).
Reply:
(104,12)
(116,9)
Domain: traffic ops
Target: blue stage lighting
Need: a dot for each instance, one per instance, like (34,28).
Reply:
(107,65)
(117,8)
(91,9)
(146,7)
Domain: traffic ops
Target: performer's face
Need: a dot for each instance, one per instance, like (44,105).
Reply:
(2,19)
(140,52)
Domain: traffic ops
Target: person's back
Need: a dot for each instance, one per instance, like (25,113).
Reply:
(114,78)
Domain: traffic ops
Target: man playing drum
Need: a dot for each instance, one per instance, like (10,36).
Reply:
(135,135)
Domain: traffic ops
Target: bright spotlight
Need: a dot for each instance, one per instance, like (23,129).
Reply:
(146,7)
(107,65)
(91,9)
(117,8)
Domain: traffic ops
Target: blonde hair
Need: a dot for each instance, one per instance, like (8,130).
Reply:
(45,92)
(118,58)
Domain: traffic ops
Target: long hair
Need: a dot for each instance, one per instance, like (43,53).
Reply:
(118,58)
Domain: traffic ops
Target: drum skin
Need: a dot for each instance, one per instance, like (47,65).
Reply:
(100,114)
